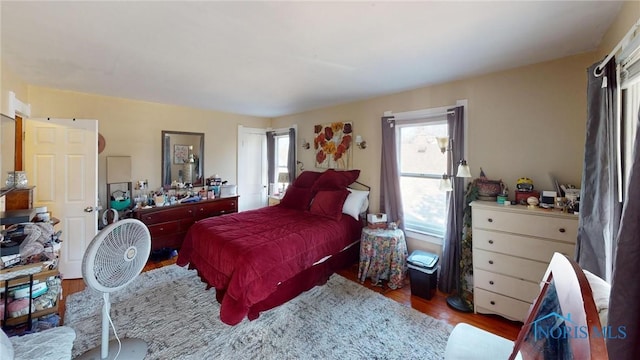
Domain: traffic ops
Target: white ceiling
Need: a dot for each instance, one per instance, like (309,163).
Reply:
(276,58)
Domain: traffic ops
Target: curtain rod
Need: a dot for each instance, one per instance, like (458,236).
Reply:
(418,117)
(598,70)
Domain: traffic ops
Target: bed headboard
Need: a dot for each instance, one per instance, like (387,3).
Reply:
(563,323)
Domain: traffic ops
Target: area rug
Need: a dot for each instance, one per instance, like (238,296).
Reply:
(171,310)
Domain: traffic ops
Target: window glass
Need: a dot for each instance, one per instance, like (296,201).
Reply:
(422,165)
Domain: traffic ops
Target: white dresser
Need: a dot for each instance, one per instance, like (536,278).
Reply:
(512,246)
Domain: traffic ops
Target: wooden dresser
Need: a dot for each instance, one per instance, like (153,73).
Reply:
(512,247)
(168,225)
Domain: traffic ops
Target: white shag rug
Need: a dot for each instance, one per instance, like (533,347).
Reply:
(171,310)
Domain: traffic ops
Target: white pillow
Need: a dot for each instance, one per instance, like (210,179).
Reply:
(356,203)
(6,348)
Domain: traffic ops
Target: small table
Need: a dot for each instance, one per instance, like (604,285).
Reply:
(383,255)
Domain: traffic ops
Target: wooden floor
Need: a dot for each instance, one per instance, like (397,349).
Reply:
(436,307)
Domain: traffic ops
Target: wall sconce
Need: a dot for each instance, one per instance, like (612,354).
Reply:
(361,143)
(305,144)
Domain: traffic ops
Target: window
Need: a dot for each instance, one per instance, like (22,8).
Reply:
(422,165)
(282,155)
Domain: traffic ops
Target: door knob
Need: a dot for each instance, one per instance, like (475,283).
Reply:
(88,209)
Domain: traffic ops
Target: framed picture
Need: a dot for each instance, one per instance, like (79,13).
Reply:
(332,145)
(180,154)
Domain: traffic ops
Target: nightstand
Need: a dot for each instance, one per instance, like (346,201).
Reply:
(274,199)
(383,255)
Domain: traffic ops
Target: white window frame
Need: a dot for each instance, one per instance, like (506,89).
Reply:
(418,116)
(437,120)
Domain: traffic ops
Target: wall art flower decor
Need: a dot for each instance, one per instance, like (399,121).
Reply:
(332,144)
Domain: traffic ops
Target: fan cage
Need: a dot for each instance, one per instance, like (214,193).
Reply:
(117,255)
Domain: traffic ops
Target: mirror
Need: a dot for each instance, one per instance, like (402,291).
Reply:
(7,149)
(182,158)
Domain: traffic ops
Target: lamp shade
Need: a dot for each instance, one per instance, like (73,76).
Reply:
(463,169)
(445,184)
(443,143)
(283,177)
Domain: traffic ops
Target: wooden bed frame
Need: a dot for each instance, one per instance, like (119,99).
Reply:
(566,285)
(565,301)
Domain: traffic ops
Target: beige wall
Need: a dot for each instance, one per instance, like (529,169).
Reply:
(528,121)
(628,15)
(10,82)
(133,128)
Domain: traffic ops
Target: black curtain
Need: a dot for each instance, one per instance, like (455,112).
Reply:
(452,243)
(599,206)
(271,161)
(291,158)
(390,196)
(624,308)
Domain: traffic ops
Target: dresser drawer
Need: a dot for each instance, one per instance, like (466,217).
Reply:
(509,265)
(497,283)
(165,228)
(523,246)
(217,208)
(179,212)
(491,303)
(544,226)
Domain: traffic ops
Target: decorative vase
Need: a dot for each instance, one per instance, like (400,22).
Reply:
(21,179)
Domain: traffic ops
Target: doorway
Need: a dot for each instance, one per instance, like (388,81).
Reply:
(252,168)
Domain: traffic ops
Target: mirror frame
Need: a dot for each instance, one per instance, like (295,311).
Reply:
(200,174)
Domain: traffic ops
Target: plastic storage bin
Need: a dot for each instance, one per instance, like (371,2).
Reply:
(423,273)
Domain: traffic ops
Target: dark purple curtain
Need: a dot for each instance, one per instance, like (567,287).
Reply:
(599,205)
(452,243)
(624,304)
(291,158)
(390,196)
(271,160)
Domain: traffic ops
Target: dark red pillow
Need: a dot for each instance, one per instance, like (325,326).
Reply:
(329,203)
(306,179)
(332,179)
(296,198)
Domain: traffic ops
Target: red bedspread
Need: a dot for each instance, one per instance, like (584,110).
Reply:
(246,255)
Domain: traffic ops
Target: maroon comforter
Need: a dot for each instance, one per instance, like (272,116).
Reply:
(245,256)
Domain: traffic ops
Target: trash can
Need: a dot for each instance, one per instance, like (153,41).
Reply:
(423,273)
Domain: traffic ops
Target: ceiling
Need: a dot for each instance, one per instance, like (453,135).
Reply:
(275,58)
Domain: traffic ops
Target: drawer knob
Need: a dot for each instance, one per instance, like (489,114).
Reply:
(490,282)
(490,220)
(491,262)
(492,302)
(161,229)
(561,230)
(201,209)
(490,241)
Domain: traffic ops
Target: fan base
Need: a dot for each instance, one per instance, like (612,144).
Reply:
(132,349)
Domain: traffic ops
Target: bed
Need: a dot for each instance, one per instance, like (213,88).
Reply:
(259,259)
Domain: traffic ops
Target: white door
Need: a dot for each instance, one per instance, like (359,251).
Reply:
(61,161)
(252,168)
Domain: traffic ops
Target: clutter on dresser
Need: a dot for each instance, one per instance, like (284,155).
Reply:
(488,190)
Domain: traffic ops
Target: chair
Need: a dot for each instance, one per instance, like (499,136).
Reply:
(563,323)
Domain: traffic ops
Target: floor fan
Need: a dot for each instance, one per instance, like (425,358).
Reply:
(114,258)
